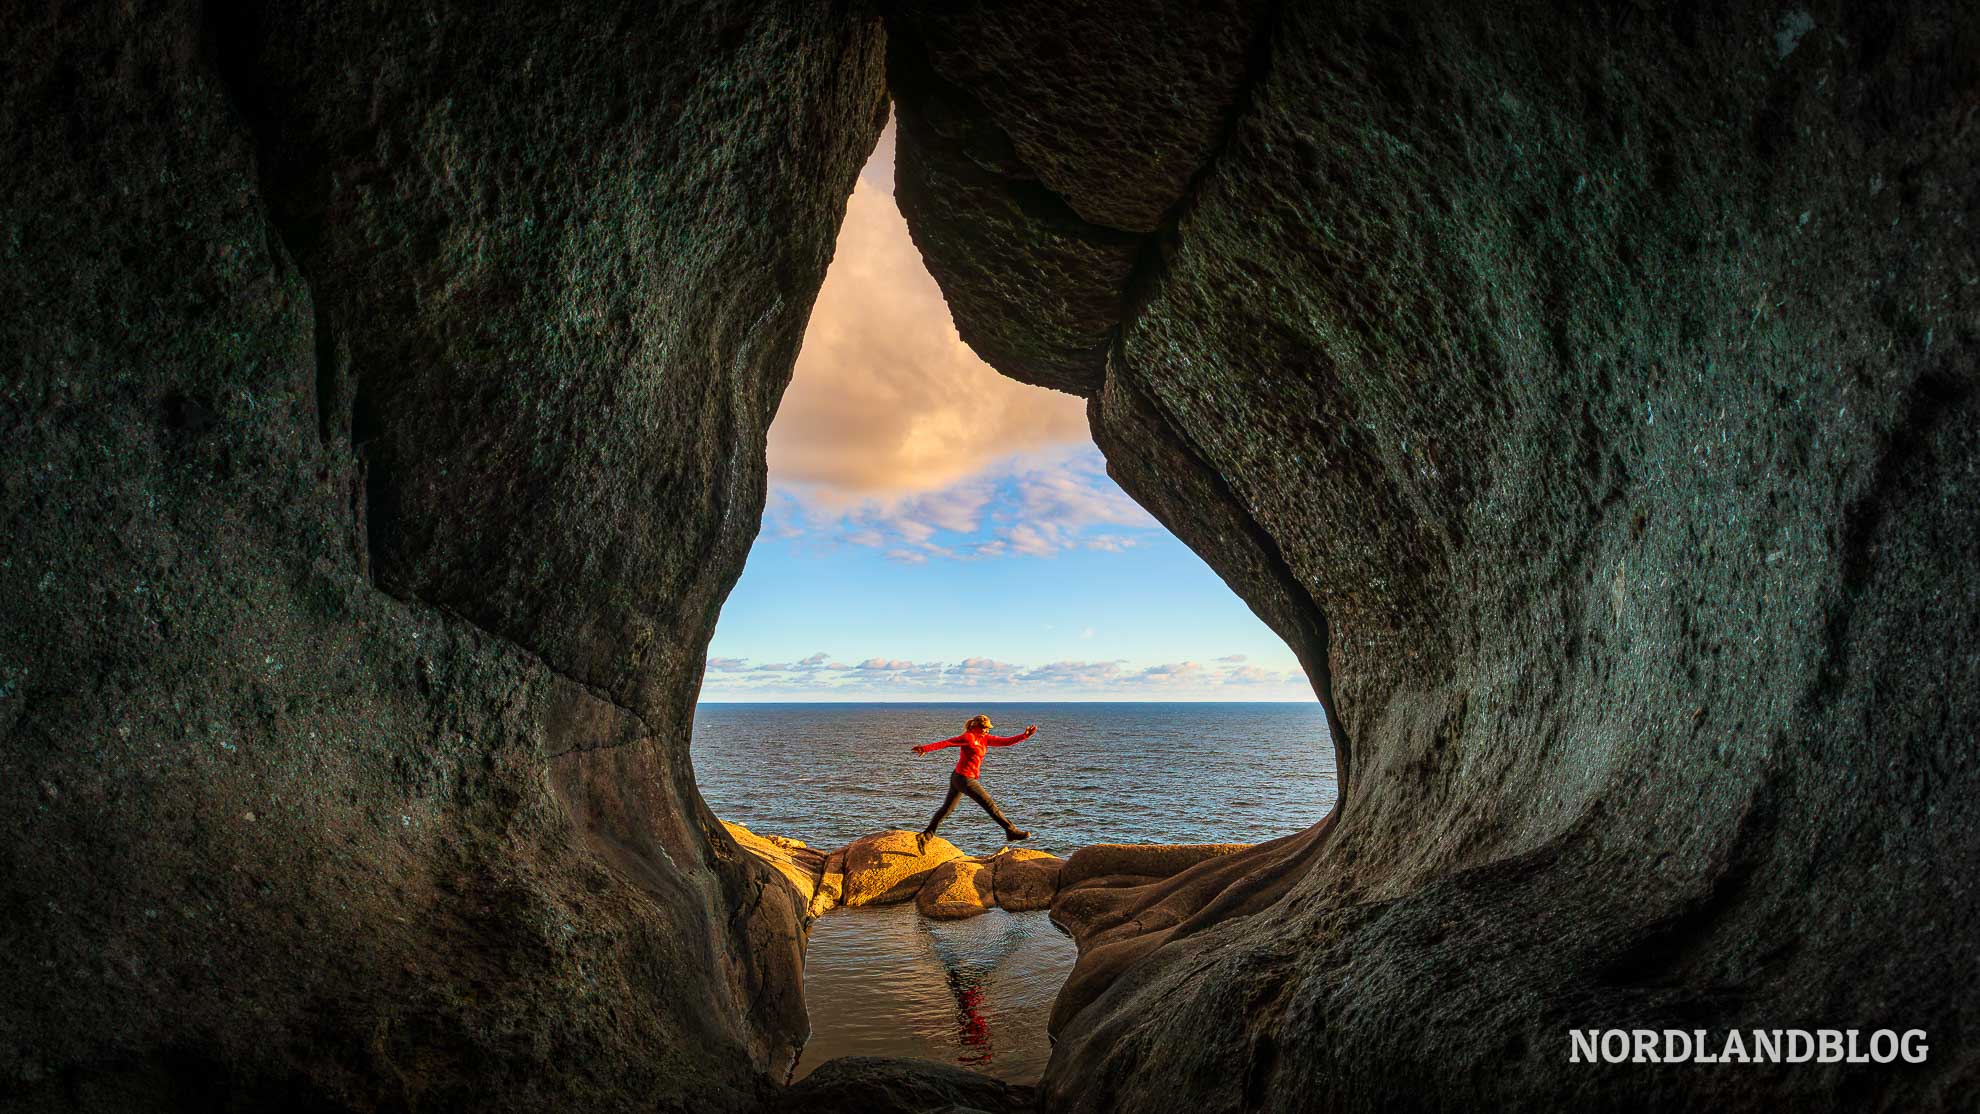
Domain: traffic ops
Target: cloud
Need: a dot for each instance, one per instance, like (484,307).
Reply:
(871,665)
(1036,506)
(818,676)
(1112,543)
(1233,658)
(983,667)
(1074,673)
(886,398)
(1171,674)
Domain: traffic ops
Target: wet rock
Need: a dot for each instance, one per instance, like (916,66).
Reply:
(879,1085)
(957,889)
(890,866)
(1025,879)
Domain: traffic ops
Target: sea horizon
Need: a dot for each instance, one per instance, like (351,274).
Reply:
(993,703)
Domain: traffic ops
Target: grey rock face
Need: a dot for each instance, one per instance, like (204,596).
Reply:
(382,402)
(1589,398)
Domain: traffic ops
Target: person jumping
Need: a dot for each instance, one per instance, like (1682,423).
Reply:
(975,737)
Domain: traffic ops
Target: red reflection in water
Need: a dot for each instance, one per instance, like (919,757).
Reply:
(973,1028)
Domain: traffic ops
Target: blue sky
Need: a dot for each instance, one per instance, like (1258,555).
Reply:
(936,531)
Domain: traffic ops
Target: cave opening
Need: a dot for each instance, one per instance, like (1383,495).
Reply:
(1585,393)
(940,541)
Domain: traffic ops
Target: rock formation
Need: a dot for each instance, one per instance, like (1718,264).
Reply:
(895,866)
(383,394)
(1147,860)
(1587,396)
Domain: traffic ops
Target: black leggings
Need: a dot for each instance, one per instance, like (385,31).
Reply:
(959,785)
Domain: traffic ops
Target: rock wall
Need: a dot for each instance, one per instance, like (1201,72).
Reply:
(1587,394)
(383,394)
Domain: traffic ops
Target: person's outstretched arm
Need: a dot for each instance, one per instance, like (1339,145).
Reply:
(926,747)
(1011,740)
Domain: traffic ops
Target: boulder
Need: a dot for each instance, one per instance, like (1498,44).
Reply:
(1025,879)
(957,889)
(890,866)
(1151,860)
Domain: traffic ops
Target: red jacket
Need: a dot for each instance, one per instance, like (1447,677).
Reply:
(970,762)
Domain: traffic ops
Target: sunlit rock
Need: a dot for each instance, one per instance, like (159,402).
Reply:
(798,865)
(957,889)
(891,866)
(831,885)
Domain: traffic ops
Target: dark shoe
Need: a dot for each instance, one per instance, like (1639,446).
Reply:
(1015,834)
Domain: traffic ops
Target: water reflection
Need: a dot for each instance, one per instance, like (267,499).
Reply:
(969,963)
(889,982)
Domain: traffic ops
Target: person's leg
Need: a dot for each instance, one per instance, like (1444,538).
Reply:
(982,797)
(948,803)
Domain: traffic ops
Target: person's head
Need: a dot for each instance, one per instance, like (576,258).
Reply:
(977,723)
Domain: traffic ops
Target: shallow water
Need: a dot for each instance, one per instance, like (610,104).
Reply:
(887,981)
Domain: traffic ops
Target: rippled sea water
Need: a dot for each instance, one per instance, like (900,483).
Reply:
(886,981)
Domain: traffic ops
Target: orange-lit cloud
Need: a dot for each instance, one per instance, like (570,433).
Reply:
(887,400)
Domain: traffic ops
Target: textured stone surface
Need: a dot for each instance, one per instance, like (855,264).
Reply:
(382,406)
(890,866)
(1112,107)
(1588,397)
(878,1085)
(1153,860)
(958,889)
(1041,147)
(1025,879)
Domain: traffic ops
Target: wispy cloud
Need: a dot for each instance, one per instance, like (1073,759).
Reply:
(1039,506)
(823,677)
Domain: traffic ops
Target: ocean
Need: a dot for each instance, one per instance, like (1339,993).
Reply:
(888,982)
